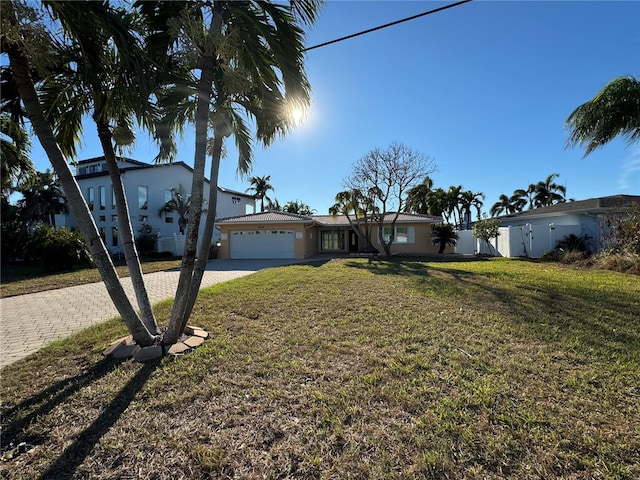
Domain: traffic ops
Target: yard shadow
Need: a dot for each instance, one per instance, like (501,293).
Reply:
(75,454)
(398,265)
(548,311)
(253,265)
(46,400)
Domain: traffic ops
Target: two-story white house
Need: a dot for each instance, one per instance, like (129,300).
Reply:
(147,188)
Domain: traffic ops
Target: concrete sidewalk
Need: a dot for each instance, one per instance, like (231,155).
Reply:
(28,322)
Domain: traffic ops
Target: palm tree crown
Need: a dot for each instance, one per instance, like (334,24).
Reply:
(615,110)
(548,192)
(444,234)
(179,203)
(260,186)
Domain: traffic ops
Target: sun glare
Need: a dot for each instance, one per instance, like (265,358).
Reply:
(297,114)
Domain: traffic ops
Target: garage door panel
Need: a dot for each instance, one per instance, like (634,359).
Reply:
(262,244)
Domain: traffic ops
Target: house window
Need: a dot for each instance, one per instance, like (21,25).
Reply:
(114,236)
(102,218)
(168,219)
(143,218)
(90,198)
(102,197)
(235,200)
(332,240)
(143,197)
(103,234)
(113,198)
(114,218)
(402,234)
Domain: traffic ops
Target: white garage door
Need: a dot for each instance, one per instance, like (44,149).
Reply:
(263,244)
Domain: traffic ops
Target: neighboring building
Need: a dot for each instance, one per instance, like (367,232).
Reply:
(147,188)
(533,232)
(287,235)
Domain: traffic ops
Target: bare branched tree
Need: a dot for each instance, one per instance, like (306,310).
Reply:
(385,176)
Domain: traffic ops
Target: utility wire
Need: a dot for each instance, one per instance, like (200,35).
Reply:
(387,25)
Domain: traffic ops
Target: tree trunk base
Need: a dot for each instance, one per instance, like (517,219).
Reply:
(127,348)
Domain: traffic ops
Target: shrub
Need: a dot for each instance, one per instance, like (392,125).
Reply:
(620,231)
(443,234)
(486,229)
(12,233)
(146,239)
(619,262)
(58,249)
(573,243)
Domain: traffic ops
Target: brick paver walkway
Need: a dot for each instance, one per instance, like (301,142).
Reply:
(28,322)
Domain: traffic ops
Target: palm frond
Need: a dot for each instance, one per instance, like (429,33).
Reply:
(615,110)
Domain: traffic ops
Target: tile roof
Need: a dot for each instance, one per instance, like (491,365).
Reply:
(266,217)
(323,220)
(599,203)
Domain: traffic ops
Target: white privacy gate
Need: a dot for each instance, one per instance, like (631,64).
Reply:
(519,241)
(262,244)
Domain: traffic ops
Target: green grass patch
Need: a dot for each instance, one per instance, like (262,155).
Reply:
(23,279)
(398,369)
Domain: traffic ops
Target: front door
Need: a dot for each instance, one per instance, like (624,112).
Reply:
(353,241)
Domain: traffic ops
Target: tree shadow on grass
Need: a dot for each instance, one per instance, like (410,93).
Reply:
(46,400)
(553,312)
(73,456)
(548,311)
(414,265)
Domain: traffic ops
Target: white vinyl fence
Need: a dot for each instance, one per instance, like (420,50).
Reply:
(521,241)
(173,244)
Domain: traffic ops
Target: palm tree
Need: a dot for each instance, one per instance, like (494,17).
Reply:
(469,200)
(443,234)
(15,146)
(298,208)
(42,199)
(503,205)
(452,211)
(519,200)
(21,62)
(615,110)
(548,193)
(437,202)
(525,198)
(417,197)
(99,85)
(260,185)
(179,203)
(249,56)
(273,205)
(359,210)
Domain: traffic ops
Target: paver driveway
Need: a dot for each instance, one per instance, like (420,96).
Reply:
(28,322)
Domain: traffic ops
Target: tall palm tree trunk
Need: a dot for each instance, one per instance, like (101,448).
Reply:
(77,205)
(207,234)
(125,230)
(175,328)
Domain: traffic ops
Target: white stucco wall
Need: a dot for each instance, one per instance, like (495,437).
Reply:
(158,180)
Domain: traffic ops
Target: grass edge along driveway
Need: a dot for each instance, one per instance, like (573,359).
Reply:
(401,369)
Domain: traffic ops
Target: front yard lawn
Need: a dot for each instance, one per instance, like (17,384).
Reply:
(23,279)
(400,369)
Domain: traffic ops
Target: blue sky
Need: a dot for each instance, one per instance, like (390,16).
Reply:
(483,88)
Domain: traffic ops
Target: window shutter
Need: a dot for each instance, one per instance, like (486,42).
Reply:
(411,234)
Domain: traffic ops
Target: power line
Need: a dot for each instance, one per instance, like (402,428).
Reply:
(387,25)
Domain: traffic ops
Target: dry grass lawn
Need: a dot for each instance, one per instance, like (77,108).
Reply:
(404,369)
(30,279)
